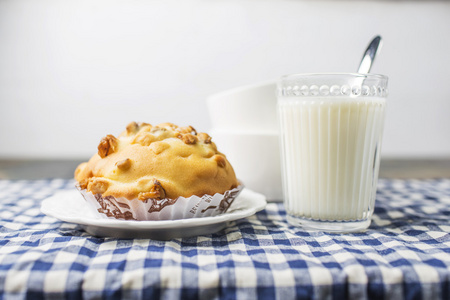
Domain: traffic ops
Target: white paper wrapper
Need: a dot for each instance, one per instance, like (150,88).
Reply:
(164,209)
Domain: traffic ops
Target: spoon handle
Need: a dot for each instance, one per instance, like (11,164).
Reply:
(369,55)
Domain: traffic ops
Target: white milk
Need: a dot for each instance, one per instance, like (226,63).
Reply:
(331,154)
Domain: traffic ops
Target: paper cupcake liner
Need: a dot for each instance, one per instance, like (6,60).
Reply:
(164,209)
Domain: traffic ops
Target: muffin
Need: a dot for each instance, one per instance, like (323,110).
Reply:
(158,173)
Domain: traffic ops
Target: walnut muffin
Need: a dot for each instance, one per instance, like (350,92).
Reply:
(148,162)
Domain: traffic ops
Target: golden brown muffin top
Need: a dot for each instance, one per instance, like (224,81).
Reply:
(156,162)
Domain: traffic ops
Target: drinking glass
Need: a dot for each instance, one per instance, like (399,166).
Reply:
(331,129)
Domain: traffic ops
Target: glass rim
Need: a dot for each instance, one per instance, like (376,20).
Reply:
(335,74)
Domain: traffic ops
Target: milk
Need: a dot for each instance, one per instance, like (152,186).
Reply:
(330,155)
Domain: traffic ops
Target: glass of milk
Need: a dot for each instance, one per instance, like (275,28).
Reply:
(331,129)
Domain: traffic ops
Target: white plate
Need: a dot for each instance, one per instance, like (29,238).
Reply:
(70,206)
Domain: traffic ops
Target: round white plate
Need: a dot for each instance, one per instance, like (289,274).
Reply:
(70,206)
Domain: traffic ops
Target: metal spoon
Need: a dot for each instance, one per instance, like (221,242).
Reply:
(369,55)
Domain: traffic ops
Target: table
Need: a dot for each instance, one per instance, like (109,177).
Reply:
(405,254)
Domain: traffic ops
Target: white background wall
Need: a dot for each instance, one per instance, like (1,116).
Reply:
(73,71)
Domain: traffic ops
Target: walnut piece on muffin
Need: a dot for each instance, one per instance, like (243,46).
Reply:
(156,162)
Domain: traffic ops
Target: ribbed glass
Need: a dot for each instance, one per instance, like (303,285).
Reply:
(330,133)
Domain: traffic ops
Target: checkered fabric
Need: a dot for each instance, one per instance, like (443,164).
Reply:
(405,254)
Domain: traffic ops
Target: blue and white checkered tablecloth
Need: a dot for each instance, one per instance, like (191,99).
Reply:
(405,254)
